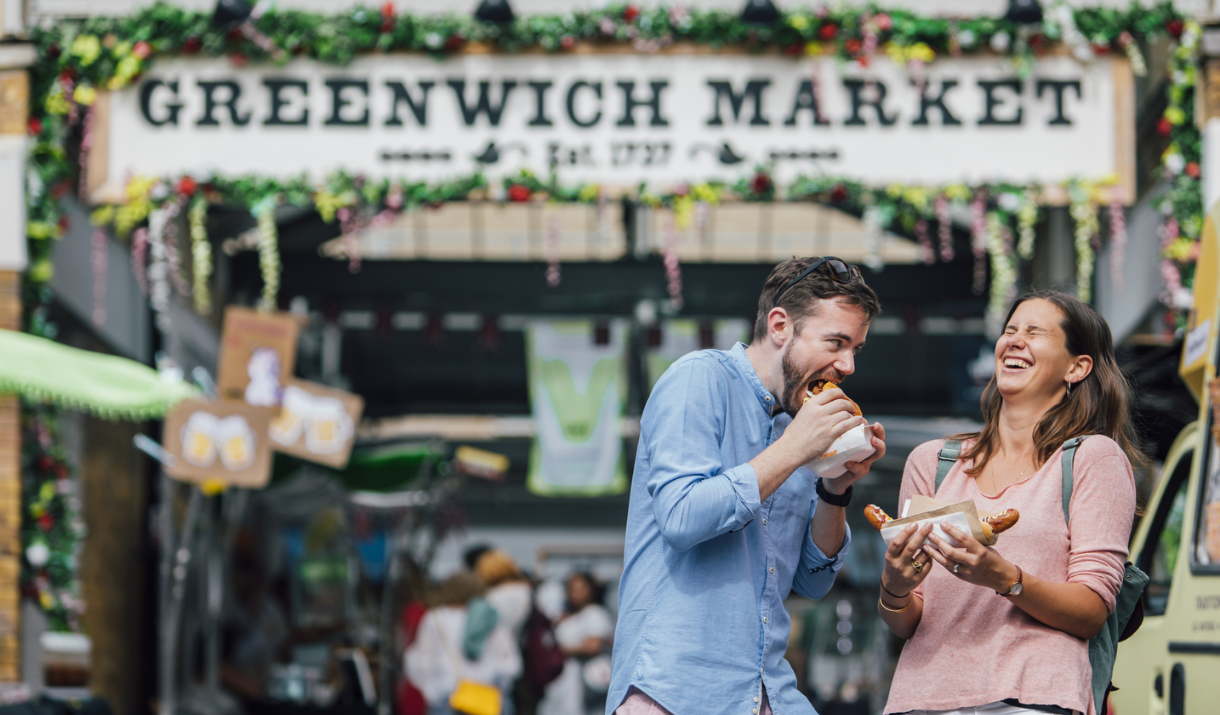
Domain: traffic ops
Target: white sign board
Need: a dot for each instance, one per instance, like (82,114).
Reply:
(623,119)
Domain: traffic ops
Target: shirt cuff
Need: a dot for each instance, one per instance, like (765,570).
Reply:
(744,481)
(814,561)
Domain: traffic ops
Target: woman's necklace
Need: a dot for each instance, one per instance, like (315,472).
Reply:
(995,481)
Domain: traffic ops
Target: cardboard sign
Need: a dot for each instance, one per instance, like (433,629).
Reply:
(257,355)
(218,442)
(480,463)
(316,423)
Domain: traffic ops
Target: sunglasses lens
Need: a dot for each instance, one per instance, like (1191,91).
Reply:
(839,271)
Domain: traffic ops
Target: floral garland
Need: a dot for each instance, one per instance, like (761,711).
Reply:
(51,528)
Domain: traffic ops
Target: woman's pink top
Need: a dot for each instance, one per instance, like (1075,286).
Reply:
(974,647)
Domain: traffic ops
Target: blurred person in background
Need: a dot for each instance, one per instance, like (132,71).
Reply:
(508,591)
(584,632)
(1020,613)
(453,641)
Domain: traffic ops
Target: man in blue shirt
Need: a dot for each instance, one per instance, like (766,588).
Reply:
(724,521)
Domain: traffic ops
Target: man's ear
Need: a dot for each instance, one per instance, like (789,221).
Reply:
(777,327)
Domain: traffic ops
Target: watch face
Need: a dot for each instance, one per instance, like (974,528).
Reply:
(1016,589)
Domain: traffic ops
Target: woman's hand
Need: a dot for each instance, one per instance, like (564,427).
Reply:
(973,562)
(906,565)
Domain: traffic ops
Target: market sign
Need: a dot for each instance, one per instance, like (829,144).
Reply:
(624,119)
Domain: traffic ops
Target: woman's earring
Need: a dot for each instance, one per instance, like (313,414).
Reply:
(1069,392)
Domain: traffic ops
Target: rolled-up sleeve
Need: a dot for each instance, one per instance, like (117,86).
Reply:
(817,571)
(694,496)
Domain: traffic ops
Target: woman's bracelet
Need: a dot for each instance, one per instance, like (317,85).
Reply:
(894,595)
(881,601)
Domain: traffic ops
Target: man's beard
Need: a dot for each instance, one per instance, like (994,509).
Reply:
(792,397)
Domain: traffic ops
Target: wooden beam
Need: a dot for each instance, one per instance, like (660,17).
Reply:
(10,498)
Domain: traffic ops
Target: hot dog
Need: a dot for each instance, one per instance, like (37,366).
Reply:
(816,387)
(993,525)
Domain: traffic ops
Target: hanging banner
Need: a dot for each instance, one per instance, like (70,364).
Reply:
(316,422)
(676,338)
(223,442)
(623,119)
(257,354)
(578,388)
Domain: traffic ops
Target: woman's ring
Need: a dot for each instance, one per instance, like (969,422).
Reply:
(956,567)
(917,564)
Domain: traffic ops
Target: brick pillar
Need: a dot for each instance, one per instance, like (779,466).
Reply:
(14,103)
(10,498)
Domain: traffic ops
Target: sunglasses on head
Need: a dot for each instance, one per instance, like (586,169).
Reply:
(840,271)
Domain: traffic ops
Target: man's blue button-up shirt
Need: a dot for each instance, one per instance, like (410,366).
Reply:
(701,623)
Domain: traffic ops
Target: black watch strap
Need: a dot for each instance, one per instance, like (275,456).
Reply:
(833,499)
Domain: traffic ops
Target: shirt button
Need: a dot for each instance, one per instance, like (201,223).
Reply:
(755,699)
(766,399)
(772,569)
(755,711)
(764,619)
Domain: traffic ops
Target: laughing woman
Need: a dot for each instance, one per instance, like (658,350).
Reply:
(1004,630)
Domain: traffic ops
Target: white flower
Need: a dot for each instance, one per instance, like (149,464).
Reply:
(1183,299)
(1175,163)
(433,40)
(966,38)
(38,554)
(1009,202)
(158,191)
(1000,42)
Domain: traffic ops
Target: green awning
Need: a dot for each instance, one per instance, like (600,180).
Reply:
(108,386)
(380,469)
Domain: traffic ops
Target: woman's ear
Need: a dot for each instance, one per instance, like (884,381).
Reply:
(1079,368)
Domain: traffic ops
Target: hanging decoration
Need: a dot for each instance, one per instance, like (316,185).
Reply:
(978,240)
(201,256)
(944,227)
(673,267)
(552,251)
(1084,213)
(158,264)
(925,242)
(139,252)
(1003,271)
(99,260)
(1027,221)
(1118,241)
(268,251)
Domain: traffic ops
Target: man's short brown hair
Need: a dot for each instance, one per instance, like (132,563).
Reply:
(799,299)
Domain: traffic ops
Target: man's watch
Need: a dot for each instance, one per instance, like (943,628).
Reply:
(1016,588)
(832,499)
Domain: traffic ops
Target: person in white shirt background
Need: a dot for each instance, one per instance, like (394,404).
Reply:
(584,633)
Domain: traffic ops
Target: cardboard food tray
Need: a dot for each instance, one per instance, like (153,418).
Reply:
(963,516)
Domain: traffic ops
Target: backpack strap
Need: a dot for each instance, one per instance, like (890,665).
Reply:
(1069,456)
(946,459)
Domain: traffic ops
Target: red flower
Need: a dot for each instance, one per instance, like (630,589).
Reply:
(192,45)
(68,74)
(61,189)
(34,126)
(186,186)
(567,42)
(387,10)
(828,31)
(884,22)
(45,522)
(1175,28)
(44,463)
(233,35)
(838,194)
(1164,127)
(630,13)
(238,59)
(1192,169)
(63,223)
(1100,49)
(1036,41)
(852,46)
(454,43)
(142,49)
(54,52)
(61,471)
(796,49)
(761,183)
(519,193)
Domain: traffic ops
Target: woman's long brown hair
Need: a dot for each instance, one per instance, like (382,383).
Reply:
(1098,404)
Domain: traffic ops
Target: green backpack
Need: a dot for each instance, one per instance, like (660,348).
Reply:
(1129,605)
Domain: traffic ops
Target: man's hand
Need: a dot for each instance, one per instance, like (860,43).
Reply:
(819,422)
(822,420)
(856,470)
